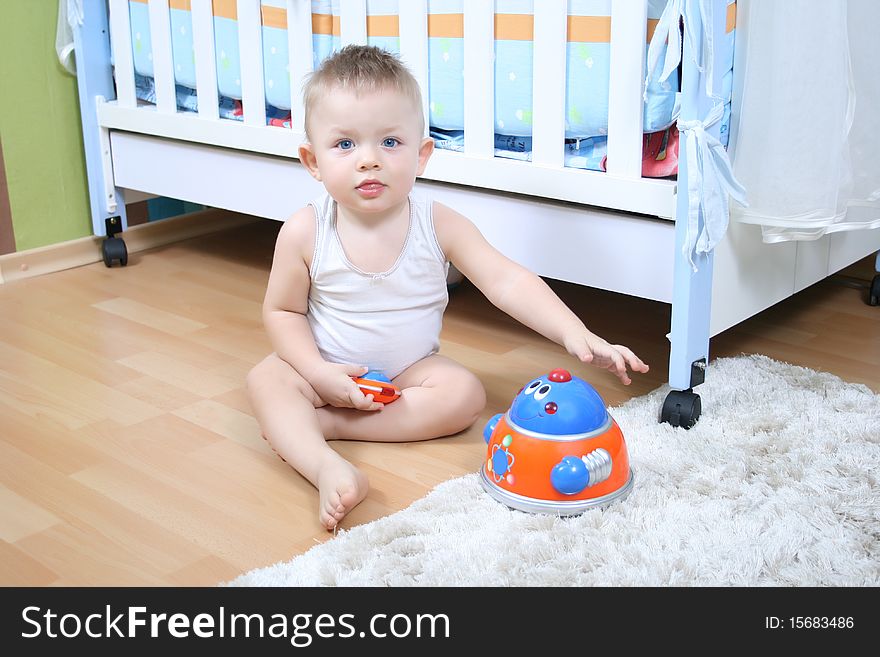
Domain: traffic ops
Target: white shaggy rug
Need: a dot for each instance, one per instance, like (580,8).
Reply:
(776,485)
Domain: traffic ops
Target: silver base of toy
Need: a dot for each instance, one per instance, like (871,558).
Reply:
(534,505)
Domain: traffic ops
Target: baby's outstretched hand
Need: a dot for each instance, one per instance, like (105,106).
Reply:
(334,384)
(590,348)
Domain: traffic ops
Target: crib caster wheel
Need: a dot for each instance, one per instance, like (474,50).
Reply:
(113,248)
(874,292)
(681,408)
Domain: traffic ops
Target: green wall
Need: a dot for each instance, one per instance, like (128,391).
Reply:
(40,129)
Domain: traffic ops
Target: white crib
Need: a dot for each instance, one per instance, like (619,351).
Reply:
(613,230)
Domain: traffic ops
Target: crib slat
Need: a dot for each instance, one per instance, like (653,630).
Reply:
(629,19)
(206,67)
(120,40)
(163,63)
(250,49)
(353,22)
(548,87)
(301,58)
(414,45)
(479,78)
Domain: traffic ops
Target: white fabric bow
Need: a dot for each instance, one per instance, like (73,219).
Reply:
(709,183)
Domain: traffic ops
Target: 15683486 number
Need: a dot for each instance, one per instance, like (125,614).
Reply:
(820,622)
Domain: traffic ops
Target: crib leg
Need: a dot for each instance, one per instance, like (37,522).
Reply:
(692,285)
(689,351)
(95,82)
(874,290)
(691,302)
(691,313)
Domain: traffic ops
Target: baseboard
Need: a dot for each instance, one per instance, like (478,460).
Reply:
(87,250)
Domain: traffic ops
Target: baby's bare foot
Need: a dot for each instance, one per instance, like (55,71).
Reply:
(341,487)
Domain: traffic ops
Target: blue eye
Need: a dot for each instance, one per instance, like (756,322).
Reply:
(345,144)
(390,142)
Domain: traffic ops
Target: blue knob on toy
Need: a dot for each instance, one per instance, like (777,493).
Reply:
(490,426)
(570,476)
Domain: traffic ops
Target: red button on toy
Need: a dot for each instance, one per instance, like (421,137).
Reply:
(559,375)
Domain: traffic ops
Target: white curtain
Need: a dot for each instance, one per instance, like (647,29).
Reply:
(808,141)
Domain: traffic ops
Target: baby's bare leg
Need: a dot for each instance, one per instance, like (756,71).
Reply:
(439,397)
(285,406)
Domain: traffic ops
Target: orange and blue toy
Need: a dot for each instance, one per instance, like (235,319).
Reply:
(556,450)
(377,384)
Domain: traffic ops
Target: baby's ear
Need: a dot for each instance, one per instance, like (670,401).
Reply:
(309,161)
(425,150)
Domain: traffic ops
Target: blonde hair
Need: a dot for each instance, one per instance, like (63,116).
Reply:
(361,69)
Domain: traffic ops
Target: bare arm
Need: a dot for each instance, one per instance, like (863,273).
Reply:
(284,315)
(524,296)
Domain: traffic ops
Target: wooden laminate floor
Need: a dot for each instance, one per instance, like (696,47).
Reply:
(128,453)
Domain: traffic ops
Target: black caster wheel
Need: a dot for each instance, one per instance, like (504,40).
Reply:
(681,408)
(874,292)
(113,248)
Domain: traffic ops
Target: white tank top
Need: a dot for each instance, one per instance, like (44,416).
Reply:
(386,321)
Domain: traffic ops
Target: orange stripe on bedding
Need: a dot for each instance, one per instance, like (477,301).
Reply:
(274,16)
(325,24)
(731,17)
(520,27)
(597,29)
(225,9)
(446,26)
(220,8)
(185,5)
(514,27)
(589,29)
(377,26)
(383,26)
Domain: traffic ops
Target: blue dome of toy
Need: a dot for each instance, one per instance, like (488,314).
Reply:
(559,404)
(376,375)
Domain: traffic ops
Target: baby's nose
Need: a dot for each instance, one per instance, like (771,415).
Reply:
(369,159)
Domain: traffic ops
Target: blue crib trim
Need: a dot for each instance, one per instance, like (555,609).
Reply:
(95,73)
(692,285)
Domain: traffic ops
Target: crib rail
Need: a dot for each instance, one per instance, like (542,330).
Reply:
(120,43)
(206,69)
(548,105)
(621,187)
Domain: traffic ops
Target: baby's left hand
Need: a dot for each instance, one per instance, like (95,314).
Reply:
(590,348)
